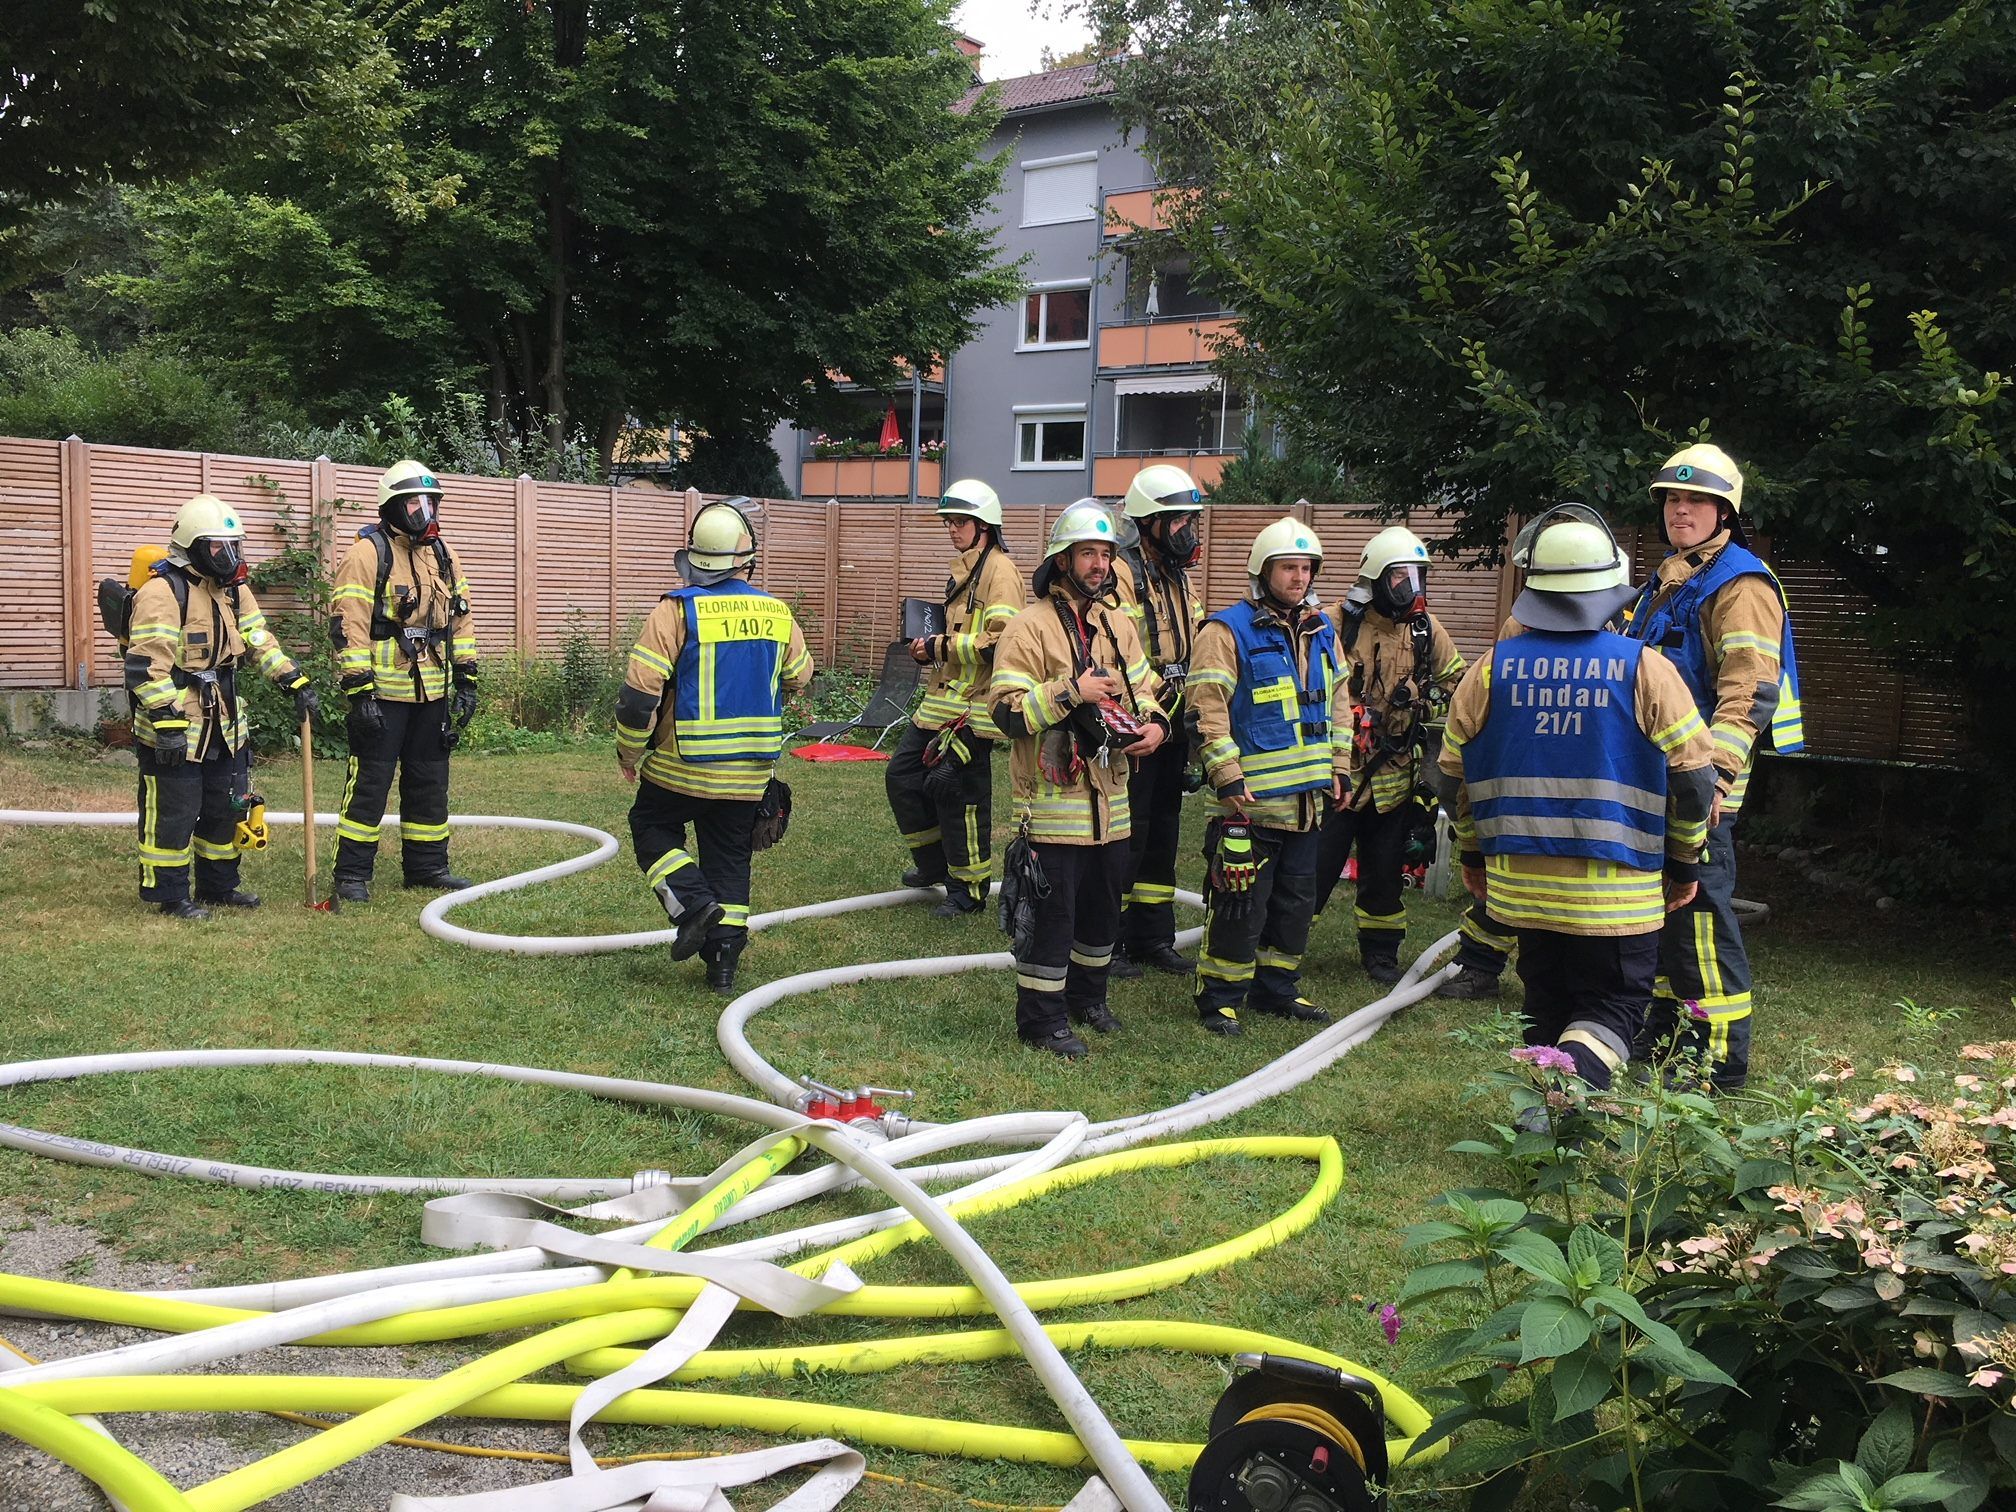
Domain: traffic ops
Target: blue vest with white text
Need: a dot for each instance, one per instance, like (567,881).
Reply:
(1675,627)
(727,698)
(1561,767)
(1280,721)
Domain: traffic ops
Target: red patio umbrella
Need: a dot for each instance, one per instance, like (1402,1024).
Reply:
(892,434)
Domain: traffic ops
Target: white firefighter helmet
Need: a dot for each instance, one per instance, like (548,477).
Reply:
(205,515)
(1393,546)
(1161,488)
(720,544)
(970,496)
(1577,576)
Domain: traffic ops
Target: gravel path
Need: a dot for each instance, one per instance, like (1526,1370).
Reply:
(192,1448)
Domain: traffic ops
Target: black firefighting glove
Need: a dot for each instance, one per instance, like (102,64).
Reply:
(171,742)
(1233,866)
(306,704)
(366,720)
(463,702)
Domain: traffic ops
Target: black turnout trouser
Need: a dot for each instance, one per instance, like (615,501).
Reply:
(1148,886)
(411,743)
(1382,852)
(1587,994)
(722,831)
(188,814)
(1256,954)
(945,812)
(1381,913)
(1075,925)
(1702,960)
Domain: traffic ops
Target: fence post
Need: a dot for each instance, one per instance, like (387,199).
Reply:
(829,649)
(615,576)
(1507,573)
(74,477)
(526,496)
(322,511)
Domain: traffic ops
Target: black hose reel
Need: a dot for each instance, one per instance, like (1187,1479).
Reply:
(1290,1435)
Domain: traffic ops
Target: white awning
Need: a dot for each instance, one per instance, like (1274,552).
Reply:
(1167,383)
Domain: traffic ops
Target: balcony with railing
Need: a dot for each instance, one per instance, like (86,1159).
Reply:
(867,478)
(1113,471)
(1164,341)
(1129,212)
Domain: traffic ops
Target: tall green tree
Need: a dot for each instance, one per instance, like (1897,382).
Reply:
(663,208)
(133,91)
(1493,254)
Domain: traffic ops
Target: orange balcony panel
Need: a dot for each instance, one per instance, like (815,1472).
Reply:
(1136,210)
(1111,475)
(1164,343)
(867,478)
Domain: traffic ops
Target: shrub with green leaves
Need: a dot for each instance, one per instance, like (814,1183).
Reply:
(1803,1298)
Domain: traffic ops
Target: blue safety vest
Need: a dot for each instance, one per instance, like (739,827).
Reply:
(1561,767)
(1280,720)
(727,692)
(1675,627)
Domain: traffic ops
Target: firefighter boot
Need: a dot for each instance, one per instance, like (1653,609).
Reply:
(1381,958)
(692,921)
(182,908)
(1162,956)
(961,898)
(237,897)
(1470,983)
(721,956)
(916,876)
(1060,1042)
(1124,967)
(444,879)
(1098,1018)
(352,892)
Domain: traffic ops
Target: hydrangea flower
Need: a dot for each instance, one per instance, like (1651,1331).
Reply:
(1546,1057)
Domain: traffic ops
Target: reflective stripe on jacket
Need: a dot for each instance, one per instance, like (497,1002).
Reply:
(1278,708)
(181,664)
(416,598)
(1561,767)
(1709,612)
(1035,666)
(727,649)
(978,607)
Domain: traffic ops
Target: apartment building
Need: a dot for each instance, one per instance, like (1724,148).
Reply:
(1101,369)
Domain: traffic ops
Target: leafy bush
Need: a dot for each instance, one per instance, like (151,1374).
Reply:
(144,396)
(1804,1299)
(1257,476)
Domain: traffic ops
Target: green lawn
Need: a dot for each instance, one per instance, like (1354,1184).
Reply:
(89,970)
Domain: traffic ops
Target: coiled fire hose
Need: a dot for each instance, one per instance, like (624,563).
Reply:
(592,1308)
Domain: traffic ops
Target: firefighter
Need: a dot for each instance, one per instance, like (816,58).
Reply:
(1152,584)
(1400,660)
(1719,615)
(940,777)
(1076,697)
(1584,783)
(1273,722)
(406,654)
(193,621)
(701,717)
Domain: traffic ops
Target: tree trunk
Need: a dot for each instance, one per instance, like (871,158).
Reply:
(528,387)
(495,386)
(610,432)
(556,307)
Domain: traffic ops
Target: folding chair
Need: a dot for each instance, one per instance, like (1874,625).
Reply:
(887,707)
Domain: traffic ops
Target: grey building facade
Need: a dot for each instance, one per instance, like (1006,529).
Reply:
(1100,369)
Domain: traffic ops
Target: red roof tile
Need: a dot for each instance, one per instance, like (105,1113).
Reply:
(1032,91)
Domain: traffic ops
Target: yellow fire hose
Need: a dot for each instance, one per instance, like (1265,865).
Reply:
(594,1318)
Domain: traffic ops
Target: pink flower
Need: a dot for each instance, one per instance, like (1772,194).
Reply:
(1695,1011)
(1546,1057)
(1389,1321)
(1987,1375)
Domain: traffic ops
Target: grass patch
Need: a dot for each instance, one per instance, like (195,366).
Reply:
(90,970)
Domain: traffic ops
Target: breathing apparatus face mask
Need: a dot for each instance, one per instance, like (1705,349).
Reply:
(1401,593)
(415,514)
(1179,544)
(219,558)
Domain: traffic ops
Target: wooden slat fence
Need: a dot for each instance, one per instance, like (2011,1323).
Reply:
(546,560)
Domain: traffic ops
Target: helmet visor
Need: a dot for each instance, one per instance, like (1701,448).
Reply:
(1697,478)
(415,514)
(1522,544)
(219,558)
(1184,498)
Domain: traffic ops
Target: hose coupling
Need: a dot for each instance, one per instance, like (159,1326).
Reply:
(644,1180)
(820,1100)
